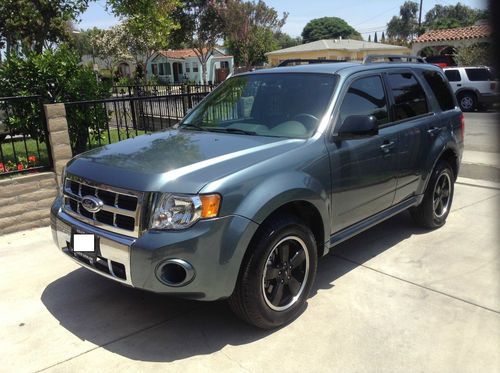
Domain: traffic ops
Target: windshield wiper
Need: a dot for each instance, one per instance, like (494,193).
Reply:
(234,130)
(190,125)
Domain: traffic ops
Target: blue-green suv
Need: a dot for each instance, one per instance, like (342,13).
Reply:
(263,177)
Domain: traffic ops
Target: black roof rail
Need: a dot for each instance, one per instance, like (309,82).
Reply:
(373,58)
(299,61)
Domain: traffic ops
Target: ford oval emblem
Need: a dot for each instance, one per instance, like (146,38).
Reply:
(92,204)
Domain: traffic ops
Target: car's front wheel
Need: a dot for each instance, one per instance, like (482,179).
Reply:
(277,273)
(467,101)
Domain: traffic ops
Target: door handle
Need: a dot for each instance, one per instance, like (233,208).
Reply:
(387,146)
(459,85)
(434,131)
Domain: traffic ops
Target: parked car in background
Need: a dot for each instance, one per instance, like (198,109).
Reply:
(474,87)
(268,173)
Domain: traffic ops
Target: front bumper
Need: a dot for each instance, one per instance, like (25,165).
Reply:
(214,248)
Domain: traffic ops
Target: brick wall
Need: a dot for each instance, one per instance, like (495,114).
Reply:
(25,201)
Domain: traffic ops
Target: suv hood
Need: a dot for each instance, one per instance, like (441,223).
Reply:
(179,161)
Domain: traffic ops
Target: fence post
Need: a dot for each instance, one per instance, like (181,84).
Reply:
(57,127)
(185,101)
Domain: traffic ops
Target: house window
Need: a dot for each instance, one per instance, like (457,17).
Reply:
(180,68)
(154,69)
(224,65)
(188,69)
(195,67)
(168,70)
(161,66)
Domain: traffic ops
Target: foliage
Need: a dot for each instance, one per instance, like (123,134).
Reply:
(404,27)
(29,25)
(57,76)
(479,54)
(452,16)
(108,45)
(249,28)
(147,25)
(202,27)
(81,41)
(283,40)
(328,28)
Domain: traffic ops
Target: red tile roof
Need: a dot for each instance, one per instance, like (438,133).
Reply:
(461,33)
(179,53)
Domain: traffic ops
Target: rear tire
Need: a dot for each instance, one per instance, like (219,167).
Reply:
(467,101)
(277,273)
(436,205)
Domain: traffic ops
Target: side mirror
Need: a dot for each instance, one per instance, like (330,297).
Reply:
(357,127)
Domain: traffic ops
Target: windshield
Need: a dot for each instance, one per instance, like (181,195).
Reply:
(283,105)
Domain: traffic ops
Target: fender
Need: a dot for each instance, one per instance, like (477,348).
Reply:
(282,188)
(464,89)
(441,145)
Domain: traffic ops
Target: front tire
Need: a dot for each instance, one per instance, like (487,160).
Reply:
(436,205)
(277,273)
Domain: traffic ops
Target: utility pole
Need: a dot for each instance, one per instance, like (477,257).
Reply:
(420,15)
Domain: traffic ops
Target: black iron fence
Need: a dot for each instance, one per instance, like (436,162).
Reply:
(159,89)
(96,123)
(24,140)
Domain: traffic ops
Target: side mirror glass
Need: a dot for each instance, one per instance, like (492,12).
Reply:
(358,126)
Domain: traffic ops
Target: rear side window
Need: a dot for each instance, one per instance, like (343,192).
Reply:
(409,96)
(453,75)
(440,89)
(365,96)
(478,75)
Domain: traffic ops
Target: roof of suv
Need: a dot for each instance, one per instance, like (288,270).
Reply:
(336,67)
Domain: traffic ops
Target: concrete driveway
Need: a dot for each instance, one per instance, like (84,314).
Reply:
(395,298)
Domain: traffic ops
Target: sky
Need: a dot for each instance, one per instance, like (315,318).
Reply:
(366,16)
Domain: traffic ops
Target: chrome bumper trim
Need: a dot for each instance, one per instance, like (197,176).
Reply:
(113,247)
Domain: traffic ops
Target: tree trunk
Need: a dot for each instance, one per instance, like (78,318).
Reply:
(204,72)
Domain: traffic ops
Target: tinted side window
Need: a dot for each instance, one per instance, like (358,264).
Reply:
(440,89)
(453,75)
(478,75)
(365,96)
(409,96)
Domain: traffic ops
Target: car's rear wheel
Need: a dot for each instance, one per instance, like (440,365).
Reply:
(436,205)
(467,101)
(277,273)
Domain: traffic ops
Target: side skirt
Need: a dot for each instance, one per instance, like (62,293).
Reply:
(363,225)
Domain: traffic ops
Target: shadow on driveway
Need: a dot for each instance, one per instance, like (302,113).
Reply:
(165,329)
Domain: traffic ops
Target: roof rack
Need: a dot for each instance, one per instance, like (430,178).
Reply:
(374,58)
(298,61)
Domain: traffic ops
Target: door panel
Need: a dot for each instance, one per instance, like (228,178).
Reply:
(363,170)
(363,177)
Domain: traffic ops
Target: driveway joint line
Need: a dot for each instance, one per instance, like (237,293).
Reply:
(120,338)
(418,285)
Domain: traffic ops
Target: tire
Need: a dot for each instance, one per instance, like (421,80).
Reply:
(438,197)
(467,101)
(270,270)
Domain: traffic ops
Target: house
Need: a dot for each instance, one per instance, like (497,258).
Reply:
(443,42)
(124,67)
(334,49)
(181,65)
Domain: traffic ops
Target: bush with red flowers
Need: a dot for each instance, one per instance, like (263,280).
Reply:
(21,164)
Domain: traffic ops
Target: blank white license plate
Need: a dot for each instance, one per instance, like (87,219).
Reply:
(84,242)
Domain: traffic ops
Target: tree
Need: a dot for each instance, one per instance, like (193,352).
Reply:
(370,38)
(375,39)
(202,27)
(405,26)
(452,16)
(249,28)
(328,28)
(108,45)
(478,54)
(31,25)
(283,40)
(382,39)
(147,26)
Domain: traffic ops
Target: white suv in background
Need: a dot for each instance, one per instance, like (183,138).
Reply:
(473,86)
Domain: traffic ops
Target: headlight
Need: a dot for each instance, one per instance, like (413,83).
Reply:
(179,212)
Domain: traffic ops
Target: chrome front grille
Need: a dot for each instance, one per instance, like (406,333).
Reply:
(120,212)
